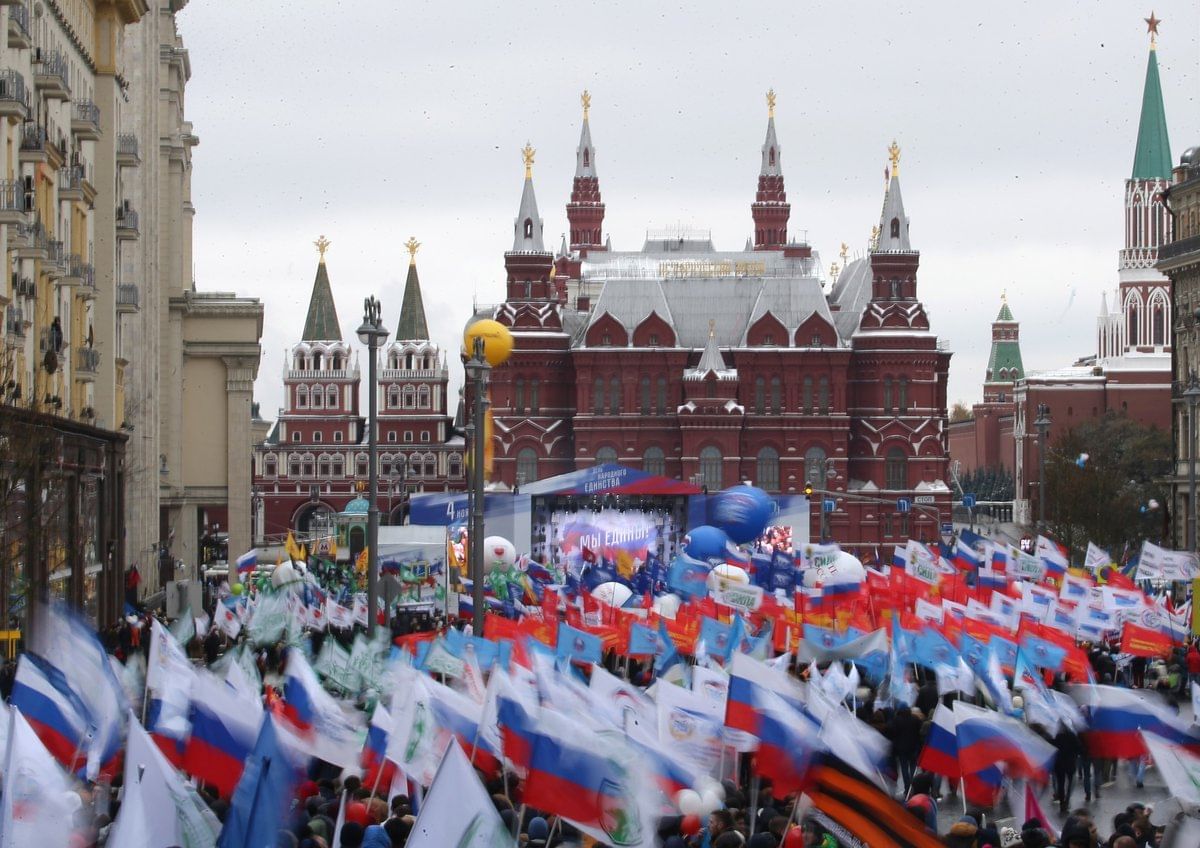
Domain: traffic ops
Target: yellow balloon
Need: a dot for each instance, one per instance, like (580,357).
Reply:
(497,340)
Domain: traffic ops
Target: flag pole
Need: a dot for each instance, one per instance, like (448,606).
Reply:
(753,803)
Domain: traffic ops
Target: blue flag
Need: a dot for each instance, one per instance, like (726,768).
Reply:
(643,640)
(689,577)
(717,637)
(760,570)
(578,646)
(665,657)
(259,806)
(783,572)
(1042,652)
(933,650)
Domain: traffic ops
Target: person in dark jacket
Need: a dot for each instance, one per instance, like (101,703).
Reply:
(1066,762)
(905,733)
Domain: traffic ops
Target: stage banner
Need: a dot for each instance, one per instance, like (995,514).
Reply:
(625,539)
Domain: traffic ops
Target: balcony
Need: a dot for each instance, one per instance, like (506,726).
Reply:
(33,144)
(128,299)
(55,264)
(70,183)
(87,363)
(12,202)
(76,272)
(24,287)
(85,120)
(50,71)
(1173,252)
(18,27)
(29,240)
(14,97)
(127,151)
(127,221)
(14,323)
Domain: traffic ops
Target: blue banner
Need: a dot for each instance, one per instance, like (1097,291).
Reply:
(688,577)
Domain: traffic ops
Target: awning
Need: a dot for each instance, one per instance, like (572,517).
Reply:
(610,479)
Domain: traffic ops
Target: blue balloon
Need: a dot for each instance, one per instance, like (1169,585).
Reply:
(742,512)
(705,542)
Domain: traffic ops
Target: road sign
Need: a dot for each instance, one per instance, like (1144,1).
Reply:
(903,505)
(947,528)
(828,505)
(969,501)
(923,499)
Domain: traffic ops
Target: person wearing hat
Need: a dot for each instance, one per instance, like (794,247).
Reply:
(962,833)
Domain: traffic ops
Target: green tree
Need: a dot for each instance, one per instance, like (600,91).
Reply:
(1114,496)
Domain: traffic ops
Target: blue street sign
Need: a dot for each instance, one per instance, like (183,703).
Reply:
(903,505)
(947,528)
(828,505)
(969,501)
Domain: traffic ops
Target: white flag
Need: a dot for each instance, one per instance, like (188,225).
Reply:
(158,807)
(1180,769)
(414,742)
(457,809)
(34,809)
(1096,557)
(339,616)
(169,682)
(227,621)
(1161,564)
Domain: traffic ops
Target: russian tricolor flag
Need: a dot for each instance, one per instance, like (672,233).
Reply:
(377,770)
(247,562)
(787,742)
(54,712)
(940,754)
(986,738)
(225,727)
(460,716)
(964,558)
(747,676)
(1118,717)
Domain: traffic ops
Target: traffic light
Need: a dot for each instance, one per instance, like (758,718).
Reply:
(808,490)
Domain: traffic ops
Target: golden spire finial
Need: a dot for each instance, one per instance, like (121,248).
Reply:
(712,327)
(1004,296)
(527,153)
(322,245)
(894,155)
(844,252)
(834,270)
(413,246)
(553,273)
(1152,28)
(874,237)
(586,100)
(771,103)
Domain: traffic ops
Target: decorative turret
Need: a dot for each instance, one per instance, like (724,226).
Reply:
(1152,156)
(893,260)
(893,223)
(770,209)
(322,321)
(412,325)
(1004,364)
(528,263)
(585,211)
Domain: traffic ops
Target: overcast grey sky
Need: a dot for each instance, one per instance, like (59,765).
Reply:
(373,121)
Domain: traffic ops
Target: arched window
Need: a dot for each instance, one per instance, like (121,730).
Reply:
(776,396)
(767,476)
(409,397)
(895,228)
(614,396)
(316,360)
(408,360)
(814,466)
(331,398)
(307,465)
(1131,329)
(519,397)
(606,455)
(823,396)
(302,397)
(294,466)
(527,465)
(806,403)
(339,466)
(598,397)
(760,395)
(423,397)
(393,397)
(587,157)
(661,400)
(644,392)
(895,469)
(711,469)
(903,392)
(317,397)
(269,465)
(454,465)
(528,228)
(337,362)
(771,156)
(414,465)
(385,465)
(654,461)
(1158,325)
(429,465)
(360,465)
(324,466)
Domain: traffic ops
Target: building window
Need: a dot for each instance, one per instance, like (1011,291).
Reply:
(519,397)
(644,391)
(337,437)
(360,465)
(424,435)
(391,437)
(895,228)
(904,524)
(767,477)
(888,528)
(887,395)
(807,396)
(535,401)
(1158,327)
(760,401)
(295,435)
(409,397)
(430,464)
(816,340)
(324,467)
(895,289)
(1131,328)
(423,397)
(339,466)
(902,390)
(527,465)
(814,466)
(454,465)
(307,467)
(269,466)
(654,461)
(776,396)
(317,437)
(711,468)
(302,397)
(331,398)
(606,340)
(294,466)
(895,469)
(598,397)
(408,437)
(661,400)
(768,339)
(317,398)
(606,456)
(414,465)
(653,340)
(614,396)
(823,396)
(393,397)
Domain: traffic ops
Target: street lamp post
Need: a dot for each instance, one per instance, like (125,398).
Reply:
(478,370)
(1192,395)
(1042,423)
(372,333)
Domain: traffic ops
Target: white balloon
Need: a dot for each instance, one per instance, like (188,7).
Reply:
(283,575)
(704,784)
(667,606)
(846,568)
(612,593)
(725,573)
(710,801)
(689,802)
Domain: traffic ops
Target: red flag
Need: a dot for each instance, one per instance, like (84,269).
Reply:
(1143,642)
